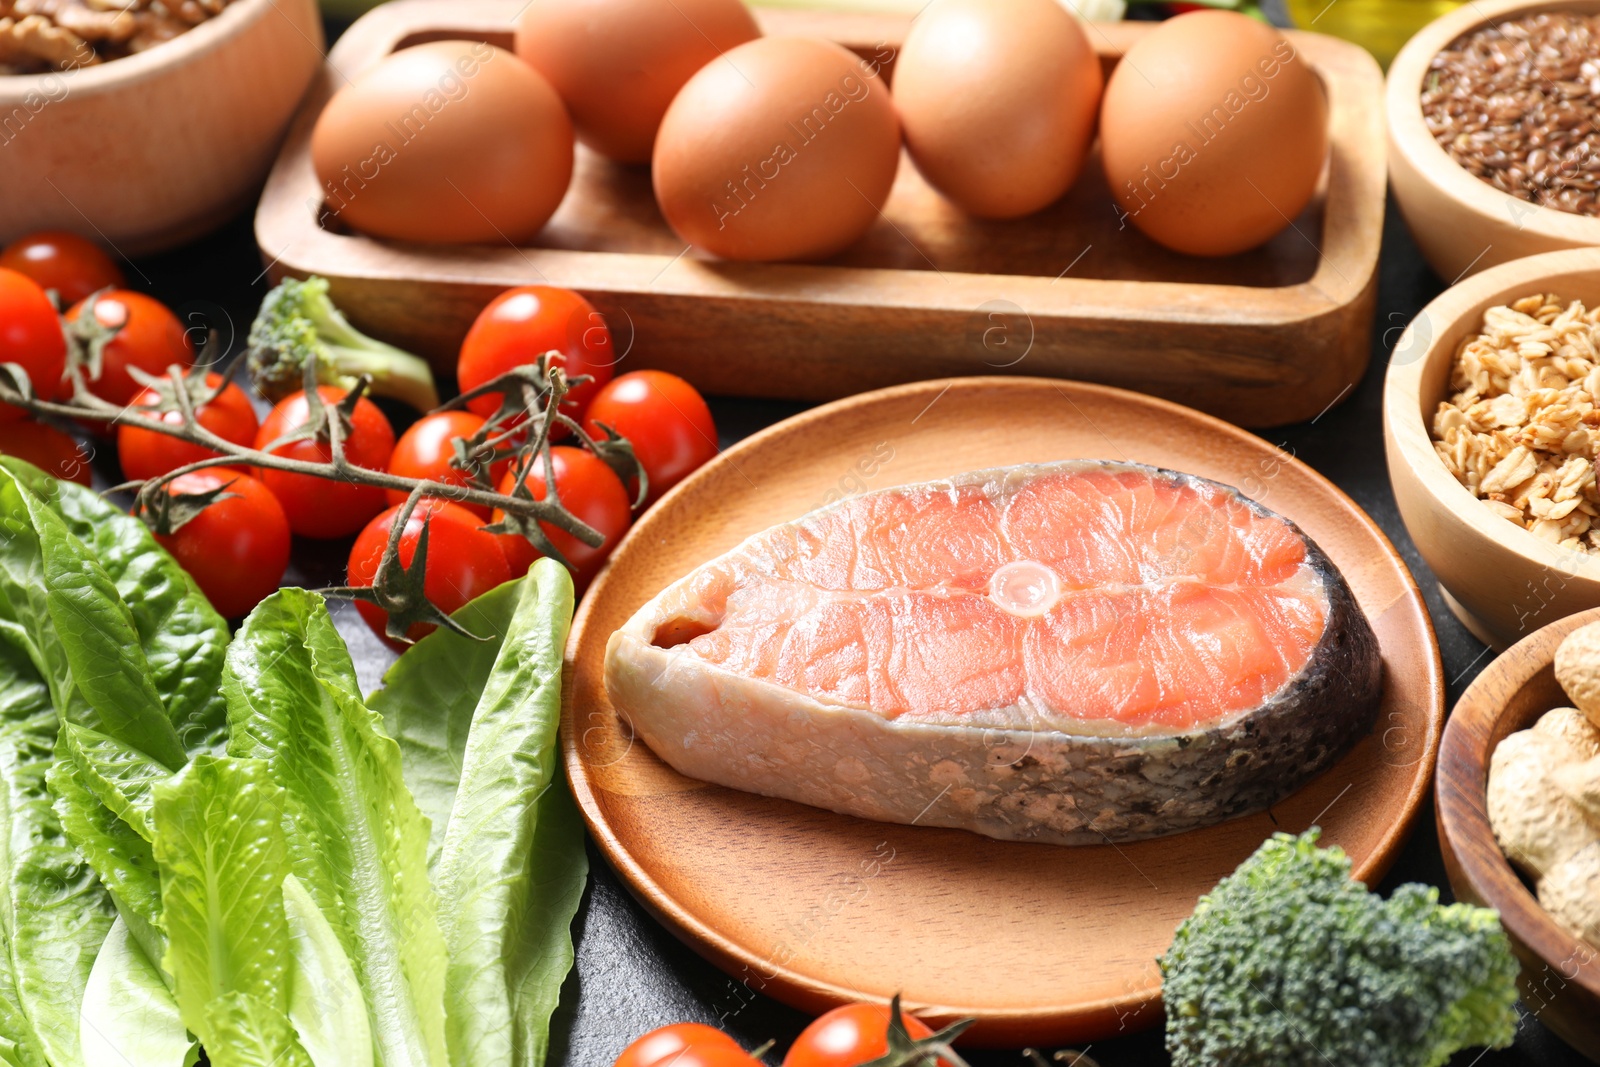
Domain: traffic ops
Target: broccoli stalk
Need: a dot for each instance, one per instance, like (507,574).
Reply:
(298,325)
(1290,963)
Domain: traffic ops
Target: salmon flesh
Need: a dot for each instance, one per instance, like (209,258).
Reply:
(1073,653)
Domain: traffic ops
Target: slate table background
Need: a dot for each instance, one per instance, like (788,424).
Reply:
(631,974)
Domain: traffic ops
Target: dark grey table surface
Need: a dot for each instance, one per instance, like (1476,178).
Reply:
(631,974)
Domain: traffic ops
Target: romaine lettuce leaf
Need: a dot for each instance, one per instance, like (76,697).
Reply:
(129,1016)
(54,915)
(119,857)
(220,846)
(86,627)
(358,842)
(326,1004)
(24,603)
(251,1031)
(428,698)
(120,777)
(182,636)
(538,949)
(512,868)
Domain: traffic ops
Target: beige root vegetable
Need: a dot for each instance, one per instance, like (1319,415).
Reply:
(1544,793)
(1571,727)
(1578,669)
(1535,821)
(1570,892)
(1580,781)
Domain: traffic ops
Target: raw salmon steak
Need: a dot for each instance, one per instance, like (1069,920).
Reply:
(1074,653)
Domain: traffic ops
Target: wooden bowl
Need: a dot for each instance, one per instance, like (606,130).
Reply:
(1560,980)
(1044,945)
(150,151)
(1461,223)
(1499,579)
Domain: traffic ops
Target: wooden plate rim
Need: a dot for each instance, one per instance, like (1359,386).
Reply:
(729,955)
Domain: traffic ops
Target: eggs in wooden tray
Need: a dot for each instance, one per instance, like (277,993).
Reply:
(1213,130)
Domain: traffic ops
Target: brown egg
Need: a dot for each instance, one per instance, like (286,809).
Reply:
(783,149)
(998,100)
(618,63)
(453,141)
(1214,132)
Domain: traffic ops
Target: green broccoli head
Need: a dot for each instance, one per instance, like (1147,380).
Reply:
(1289,962)
(298,326)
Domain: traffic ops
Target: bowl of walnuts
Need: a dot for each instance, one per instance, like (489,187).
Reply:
(145,123)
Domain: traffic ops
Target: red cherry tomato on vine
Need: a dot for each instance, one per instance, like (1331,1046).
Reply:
(463,563)
(663,1047)
(149,337)
(664,417)
(849,1036)
(30,336)
(320,507)
(237,549)
(71,265)
(425,450)
(587,488)
(46,448)
(522,324)
(148,454)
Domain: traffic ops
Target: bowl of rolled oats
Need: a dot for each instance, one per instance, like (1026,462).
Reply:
(1492,429)
(145,123)
(1494,132)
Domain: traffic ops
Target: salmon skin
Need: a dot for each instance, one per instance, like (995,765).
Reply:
(1073,653)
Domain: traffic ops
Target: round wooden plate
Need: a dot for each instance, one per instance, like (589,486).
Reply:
(1042,944)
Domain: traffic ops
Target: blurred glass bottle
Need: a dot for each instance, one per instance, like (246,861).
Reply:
(1379,26)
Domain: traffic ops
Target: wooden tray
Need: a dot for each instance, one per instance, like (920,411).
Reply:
(1265,338)
(1044,945)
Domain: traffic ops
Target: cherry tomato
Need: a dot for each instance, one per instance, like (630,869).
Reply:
(237,549)
(424,451)
(150,338)
(464,562)
(664,418)
(587,488)
(71,265)
(147,454)
(46,448)
(659,1048)
(321,507)
(849,1036)
(522,324)
(30,336)
(714,1056)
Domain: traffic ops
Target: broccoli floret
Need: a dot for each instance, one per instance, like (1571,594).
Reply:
(298,324)
(1288,962)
